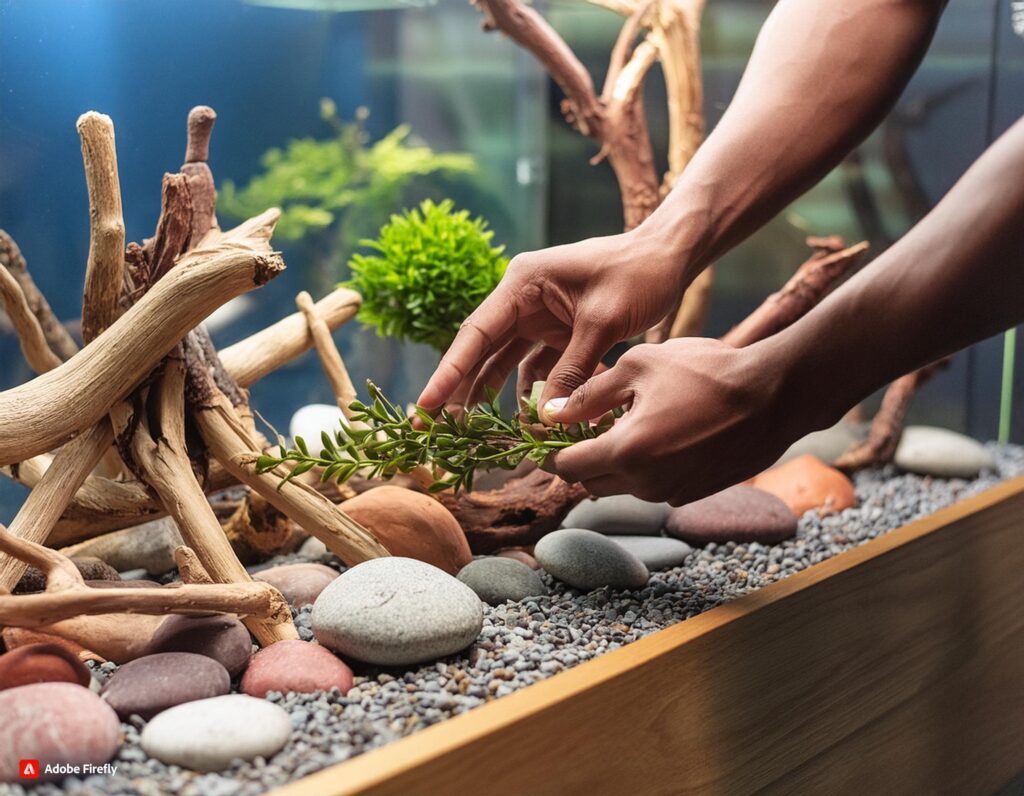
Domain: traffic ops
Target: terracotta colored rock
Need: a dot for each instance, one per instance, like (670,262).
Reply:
(222,638)
(738,514)
(55,723)
(90,569)
(300,584)
(14,637)
(518,554)
(154,683)
(299,666)
(41,663)
(412,525)
(806,483)
(117,637)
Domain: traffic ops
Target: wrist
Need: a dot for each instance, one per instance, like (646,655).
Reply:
(680,235)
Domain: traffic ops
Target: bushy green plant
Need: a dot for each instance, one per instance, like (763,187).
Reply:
(430,269)
(453,448)
(334,191)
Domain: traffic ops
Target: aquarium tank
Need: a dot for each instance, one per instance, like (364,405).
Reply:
(345,112)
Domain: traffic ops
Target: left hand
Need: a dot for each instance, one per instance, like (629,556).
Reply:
(701,416)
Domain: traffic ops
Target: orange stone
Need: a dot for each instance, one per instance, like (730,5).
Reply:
(412,525)
(807,483)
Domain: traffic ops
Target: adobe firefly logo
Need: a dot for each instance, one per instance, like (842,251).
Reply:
(28,769)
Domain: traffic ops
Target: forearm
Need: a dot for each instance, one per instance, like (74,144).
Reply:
(820,78)
(955,278)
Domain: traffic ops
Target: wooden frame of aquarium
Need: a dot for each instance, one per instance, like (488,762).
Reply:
(895,667)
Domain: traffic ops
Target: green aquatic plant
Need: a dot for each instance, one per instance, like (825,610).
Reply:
(429,269)
(382,441)
(336,190)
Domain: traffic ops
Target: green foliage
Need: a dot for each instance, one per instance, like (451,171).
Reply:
(318,184)
(431,269)
(454,448)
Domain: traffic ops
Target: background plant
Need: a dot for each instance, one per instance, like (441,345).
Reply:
(454,448)
(430,269)
(336,190)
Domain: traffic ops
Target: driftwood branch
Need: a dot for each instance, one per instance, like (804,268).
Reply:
(230,442)
(38,354)
(67,596)
(55,489)
(105,269)
(251,359)
(58,338)
(822,272)
(45,412)
(883,438)
(330,358)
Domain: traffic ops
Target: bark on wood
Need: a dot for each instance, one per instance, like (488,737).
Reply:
(519,513)
(813,281)
(45,412)
(60,341)
(257,530)
(104,272)
(883,438)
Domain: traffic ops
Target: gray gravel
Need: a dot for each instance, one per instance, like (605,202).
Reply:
(526,642)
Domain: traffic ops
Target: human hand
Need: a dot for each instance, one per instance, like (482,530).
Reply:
(701,416)
(561,309)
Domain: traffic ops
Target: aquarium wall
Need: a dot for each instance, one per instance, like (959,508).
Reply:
(268,66)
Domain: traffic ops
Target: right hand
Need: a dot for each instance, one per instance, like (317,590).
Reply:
(561,309)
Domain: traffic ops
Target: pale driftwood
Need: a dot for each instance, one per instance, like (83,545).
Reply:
(58,338)
(161,453)
(228,440)
(45,412)
(67,596)
(46,502)
(38,354)
(105,269)
(251,359)
(330,358)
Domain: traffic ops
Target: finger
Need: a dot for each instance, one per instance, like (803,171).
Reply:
(596,396)
(584,461)
(605,485)
(577,364)
(482,333)
(495,371)
(535,367)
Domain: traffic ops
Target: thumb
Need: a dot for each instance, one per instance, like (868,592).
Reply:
(576,365)
(603,393)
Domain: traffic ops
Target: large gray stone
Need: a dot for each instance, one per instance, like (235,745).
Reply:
(149,546)
(657,552)
(588,560)
(208,734)
(496,580)
(396,611)
(941,453)
(618,514)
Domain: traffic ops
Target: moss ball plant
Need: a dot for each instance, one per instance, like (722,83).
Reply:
(426,272)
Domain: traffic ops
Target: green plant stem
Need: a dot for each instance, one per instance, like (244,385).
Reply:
(1006,392)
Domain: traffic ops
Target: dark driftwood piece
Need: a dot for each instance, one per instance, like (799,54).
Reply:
(816,278)
(519,513)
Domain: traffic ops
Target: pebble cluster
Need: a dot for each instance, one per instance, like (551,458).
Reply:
(521,643)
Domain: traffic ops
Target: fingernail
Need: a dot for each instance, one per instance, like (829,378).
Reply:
(554,406)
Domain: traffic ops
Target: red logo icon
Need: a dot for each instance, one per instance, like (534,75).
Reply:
(28,769)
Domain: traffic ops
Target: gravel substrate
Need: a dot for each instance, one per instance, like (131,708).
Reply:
(526,642)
